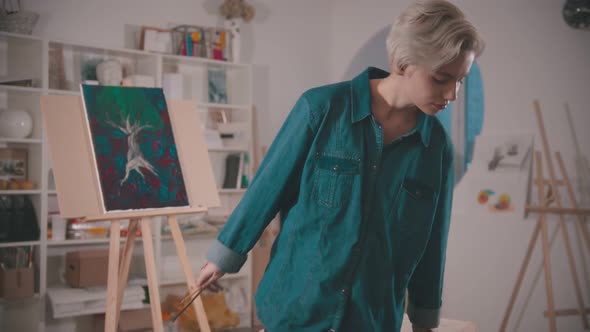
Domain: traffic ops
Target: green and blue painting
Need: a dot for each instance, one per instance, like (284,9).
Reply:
(134,148)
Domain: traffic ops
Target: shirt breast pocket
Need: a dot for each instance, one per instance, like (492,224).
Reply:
(415,206)
(333,180)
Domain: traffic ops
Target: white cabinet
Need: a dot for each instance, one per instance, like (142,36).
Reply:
(49,67)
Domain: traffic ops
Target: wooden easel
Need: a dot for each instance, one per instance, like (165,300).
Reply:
(118,270)
(544,208)
(79,195)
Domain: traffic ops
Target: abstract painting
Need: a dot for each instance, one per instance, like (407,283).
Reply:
(134,149)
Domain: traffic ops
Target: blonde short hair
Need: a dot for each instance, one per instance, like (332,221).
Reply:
(431,33)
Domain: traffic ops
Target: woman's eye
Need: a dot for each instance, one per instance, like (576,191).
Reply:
(438,81)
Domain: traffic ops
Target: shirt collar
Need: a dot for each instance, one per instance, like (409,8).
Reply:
(361,102)
(424,128)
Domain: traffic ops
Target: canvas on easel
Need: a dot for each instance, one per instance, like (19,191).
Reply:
(74,149)
(133,148)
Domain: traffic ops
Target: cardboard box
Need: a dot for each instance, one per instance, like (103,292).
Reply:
(17,283)
(129,320)
(133,320)
(87,268)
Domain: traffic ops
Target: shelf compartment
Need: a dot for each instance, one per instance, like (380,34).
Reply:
(80,58)
(190,80)
(20,58)
(26,99)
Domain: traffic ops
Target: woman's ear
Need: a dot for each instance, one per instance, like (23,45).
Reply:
(398,71)
(402,70)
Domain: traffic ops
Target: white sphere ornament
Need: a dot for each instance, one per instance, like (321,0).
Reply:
(15,124)
(109,72)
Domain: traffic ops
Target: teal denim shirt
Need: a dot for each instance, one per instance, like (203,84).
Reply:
(361,222)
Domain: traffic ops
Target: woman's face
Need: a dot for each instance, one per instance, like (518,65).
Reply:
(432,91)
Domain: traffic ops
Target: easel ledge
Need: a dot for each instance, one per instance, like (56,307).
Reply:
(145,214)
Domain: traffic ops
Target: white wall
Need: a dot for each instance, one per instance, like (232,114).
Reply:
(291,53)
(531,53)
(295,45)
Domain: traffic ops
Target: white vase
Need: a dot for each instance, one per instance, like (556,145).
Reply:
(15,124)
(109,72)
(233,25)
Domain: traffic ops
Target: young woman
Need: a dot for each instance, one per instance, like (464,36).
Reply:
(362,174)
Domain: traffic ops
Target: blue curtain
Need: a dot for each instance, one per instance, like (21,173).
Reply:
(473,110)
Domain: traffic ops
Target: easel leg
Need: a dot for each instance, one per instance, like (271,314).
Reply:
(523,269)
(112,279)
(573,271)
(152,276)
(188,273)
(125,264)
(545,243)
(548,277)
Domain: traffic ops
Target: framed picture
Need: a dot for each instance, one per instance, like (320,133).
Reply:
(13,164)
(156,40)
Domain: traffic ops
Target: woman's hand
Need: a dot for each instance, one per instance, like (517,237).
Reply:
(208,276)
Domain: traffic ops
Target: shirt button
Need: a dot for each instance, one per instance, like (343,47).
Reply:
(344,291)
(374,167)
(418,193)
(336,167)
(332,330)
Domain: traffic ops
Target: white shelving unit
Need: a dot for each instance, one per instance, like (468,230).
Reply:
(28,57)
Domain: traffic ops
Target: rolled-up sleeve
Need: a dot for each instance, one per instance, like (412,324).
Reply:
(426,284)
(274,185)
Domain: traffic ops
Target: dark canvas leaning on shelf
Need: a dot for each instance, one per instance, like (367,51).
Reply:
(18,221)
(232,168)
